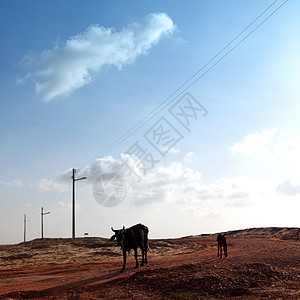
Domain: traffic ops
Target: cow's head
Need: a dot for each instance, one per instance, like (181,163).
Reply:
(220,236)
(119,236)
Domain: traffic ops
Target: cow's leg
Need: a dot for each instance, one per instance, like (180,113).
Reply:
(124,260)
(218,249)
(225,250)
(136,260)
(220,252)
(143,256)
(146,251)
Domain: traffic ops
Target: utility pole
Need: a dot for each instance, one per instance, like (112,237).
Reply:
(24,228)
(73,202)
(42,219)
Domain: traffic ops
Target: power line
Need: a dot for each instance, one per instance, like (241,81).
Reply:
(56,197)
(185,85)
(144,120)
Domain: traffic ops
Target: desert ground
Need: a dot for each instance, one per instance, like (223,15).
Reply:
(262,263)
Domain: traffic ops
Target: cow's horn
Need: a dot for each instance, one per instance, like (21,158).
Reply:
(113,229)
(123,227)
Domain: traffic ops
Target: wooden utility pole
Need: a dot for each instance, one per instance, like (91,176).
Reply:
(73,201)
(24,228)
(42,220)
(73,205)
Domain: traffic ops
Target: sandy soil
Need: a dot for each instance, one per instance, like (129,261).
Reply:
(262,263)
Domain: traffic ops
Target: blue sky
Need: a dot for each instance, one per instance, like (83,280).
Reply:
(75,76)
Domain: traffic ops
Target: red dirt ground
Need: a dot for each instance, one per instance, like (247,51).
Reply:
(261,263)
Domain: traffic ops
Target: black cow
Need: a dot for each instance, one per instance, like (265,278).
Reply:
(222,244)
(132,238)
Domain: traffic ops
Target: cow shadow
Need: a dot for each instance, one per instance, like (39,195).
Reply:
(83,282)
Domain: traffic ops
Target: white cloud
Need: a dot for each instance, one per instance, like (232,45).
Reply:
(161,184)
(189,210)
(64,205)
(239,203)
(174,150)
(22,81)
(253,143)
(238,195)
(97,167)
(174,183)
(48,185)
(188,157)
(288,148)
(13,183)
(289,188)
(66,68)
(212,215)
(225,188)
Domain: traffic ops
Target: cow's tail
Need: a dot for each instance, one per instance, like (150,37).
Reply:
(146,235)
(148,247)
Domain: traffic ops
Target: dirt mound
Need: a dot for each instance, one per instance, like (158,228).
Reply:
(40,251)
(66,250)
(191,281)
(283,233)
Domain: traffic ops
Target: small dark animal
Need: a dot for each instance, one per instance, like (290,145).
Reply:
(132,238)
(222,244)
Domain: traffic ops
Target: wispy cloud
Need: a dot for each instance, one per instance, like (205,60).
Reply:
(288,148)
(289,188)
(46,185)
(239,203)
(60,71)
(13,183)
(188,157)
(253,143)
(174,150)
